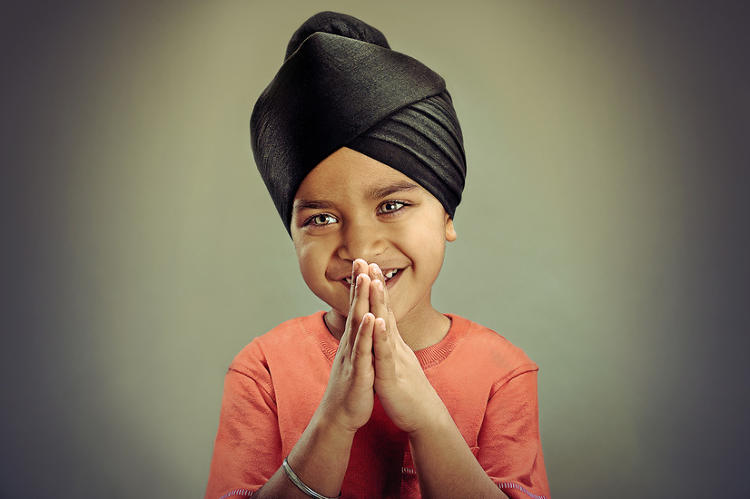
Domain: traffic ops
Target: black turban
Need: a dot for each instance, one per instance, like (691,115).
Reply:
(342,85)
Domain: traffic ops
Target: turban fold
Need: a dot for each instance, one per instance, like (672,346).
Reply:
(342,85)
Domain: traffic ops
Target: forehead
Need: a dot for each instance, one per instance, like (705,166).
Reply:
(347,172)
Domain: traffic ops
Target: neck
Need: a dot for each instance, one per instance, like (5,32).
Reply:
(423,329)
(419,328)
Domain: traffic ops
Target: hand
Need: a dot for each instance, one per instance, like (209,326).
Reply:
(349,396)
(402,387)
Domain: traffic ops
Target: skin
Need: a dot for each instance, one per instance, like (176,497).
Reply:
(339,228)
(335,221)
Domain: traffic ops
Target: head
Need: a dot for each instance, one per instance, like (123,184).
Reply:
(345,120)
(353,206)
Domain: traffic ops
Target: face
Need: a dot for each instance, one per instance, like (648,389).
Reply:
(352,206)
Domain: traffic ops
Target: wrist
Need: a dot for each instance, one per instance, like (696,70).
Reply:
(320,457)
(328,423)
(306,489)
(435,423)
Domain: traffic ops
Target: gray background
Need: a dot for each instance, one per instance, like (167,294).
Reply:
(603,230)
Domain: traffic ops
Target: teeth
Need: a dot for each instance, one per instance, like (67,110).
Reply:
(387,275)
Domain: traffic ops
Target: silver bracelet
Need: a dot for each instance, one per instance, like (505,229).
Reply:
(301,485)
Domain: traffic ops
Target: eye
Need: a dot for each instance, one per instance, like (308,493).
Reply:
(321,219)
(391,207)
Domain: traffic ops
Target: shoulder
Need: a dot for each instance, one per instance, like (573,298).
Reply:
(284,341)
(489,349)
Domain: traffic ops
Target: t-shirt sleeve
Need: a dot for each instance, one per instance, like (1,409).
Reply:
(510,447)
(247,450)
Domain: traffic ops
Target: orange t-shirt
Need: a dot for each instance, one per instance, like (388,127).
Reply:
(274,386)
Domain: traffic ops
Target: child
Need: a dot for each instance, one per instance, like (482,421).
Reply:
(381,396)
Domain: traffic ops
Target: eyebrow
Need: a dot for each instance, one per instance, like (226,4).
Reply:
(309,204)
(374,194)
(399,186)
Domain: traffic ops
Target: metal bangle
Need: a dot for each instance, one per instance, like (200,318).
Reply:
(301,485)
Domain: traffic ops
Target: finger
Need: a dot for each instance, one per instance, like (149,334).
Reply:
(374,271)
(379,275)
(362,351)
(356,266)
(386,298)
(385,364)
(377,299)
(360,305)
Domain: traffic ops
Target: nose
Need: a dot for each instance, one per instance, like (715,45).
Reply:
(361,239)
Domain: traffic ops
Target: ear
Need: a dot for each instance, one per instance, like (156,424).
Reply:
(450,230)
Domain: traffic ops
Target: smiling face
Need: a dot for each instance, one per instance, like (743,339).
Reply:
(352,206)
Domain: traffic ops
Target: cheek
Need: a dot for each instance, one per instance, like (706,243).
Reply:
(309,263)
(425,247)
(430,232)
(433,244)
(313,262)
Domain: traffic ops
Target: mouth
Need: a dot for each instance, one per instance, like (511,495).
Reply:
(391,276)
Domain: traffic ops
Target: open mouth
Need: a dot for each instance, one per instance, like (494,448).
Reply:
(391,276)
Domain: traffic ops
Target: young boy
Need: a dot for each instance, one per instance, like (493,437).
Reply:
(381,396)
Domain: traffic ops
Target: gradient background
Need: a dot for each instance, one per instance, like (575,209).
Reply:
(604,230)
